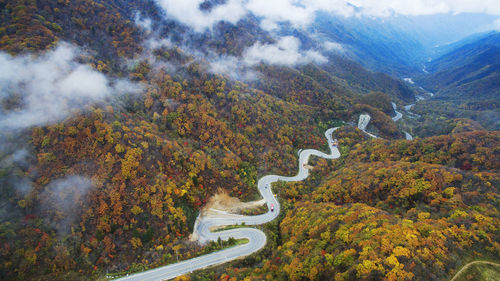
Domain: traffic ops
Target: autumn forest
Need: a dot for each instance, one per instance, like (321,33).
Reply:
(103,186)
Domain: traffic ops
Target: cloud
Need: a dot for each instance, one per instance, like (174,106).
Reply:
(301,13)
(333,46)
(48,88)
(144,23)
(284,52)
(18,157)
(233,67)
(188,12)
(155,43)
(63,199)
(280,11)
(496,25)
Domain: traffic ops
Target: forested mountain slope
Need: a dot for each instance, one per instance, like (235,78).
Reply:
(117,185)
(465,83)
(470,72)
(109,175)
(386,211)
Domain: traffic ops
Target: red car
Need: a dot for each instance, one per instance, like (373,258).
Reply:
(272,207)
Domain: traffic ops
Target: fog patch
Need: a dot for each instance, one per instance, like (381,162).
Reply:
(37,91)
(232,67)
(496,25)
(294,12)
(301,13)
(333,47)
(62,201)
(155,43)
(16,158)
(142,22)
(284,52)
(190,12)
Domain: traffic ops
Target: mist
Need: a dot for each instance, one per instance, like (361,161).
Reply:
(38,91)
(285,52)
(143,22)
(62,201)
(302,13)
(333,46)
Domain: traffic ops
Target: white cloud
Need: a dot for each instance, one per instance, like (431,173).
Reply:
(496,25)
(145,23)
(227,65)
(284,52)
(50,87)
(233,67)
(280,11)
(189,13)
(155,43)
(301,13)
(63,199)
(333,46)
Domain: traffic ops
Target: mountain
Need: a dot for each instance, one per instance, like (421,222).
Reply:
(465,82)
(439,32)
(398,45)
(377,44)
(470,72)
(119,124)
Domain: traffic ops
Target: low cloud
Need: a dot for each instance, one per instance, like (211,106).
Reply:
(46,89)
(16,158)
(496,25)
(232,67)
(281,11)
(285,52)
(333,47)
(144,23)
(63,199)
(301,13)
(189,12)
(155,43)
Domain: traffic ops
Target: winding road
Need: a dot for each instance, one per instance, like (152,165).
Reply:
(364,119)
(257,239)
(399,115)
(464,268)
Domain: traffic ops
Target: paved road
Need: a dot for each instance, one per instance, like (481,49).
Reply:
(399,115)
(364,119)
(257,238)
(408,136)
(470,264)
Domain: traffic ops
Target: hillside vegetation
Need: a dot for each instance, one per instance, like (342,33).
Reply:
(397,215)
(116,185)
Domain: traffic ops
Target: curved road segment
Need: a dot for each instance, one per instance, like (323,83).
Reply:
(256,238)
(399,115)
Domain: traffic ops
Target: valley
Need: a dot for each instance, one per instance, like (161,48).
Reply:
(256,238)
(133,136)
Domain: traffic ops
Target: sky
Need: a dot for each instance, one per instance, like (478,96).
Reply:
(301,13)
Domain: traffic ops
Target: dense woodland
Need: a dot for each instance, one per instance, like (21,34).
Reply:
(388,209)
(397,214)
